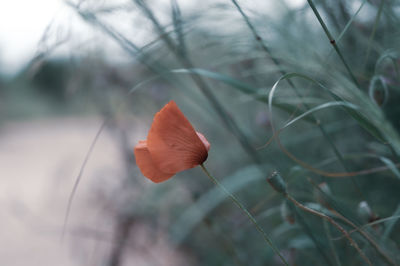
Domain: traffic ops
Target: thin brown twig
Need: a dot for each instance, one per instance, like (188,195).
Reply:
(329,219)
(356,228)
(326,173)
(365,235)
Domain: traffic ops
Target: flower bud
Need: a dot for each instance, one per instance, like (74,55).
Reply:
(364,212)
(321,193)
(276,182)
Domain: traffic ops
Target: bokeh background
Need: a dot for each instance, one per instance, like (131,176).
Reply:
(80,82)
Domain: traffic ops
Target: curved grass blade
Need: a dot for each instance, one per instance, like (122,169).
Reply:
(391,166)
(355,114)
(390,224)
(318,108)
(240,86)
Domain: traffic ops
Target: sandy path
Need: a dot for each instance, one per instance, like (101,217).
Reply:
(39,161)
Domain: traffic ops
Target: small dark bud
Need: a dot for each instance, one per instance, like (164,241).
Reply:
(364,211)
(368,216)
(321,193)
(277,183)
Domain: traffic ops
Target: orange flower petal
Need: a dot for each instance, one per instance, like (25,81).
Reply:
(173,143)
(146,164)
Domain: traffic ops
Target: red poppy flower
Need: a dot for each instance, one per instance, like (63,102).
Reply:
(172,145)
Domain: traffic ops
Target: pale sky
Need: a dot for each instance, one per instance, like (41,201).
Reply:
(22,23)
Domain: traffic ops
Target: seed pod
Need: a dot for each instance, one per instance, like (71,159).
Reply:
(277,183)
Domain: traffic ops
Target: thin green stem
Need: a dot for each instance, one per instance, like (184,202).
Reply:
(335,46)
(332,246)
(258,37)
(307,229)
(352,224)
(249,215)
(329,219)
(333,42)
(367,237)
(371,38)
(78,179)
(389,226)
(266,49)
(341,160)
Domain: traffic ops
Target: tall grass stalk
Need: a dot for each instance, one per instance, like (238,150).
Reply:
(292,85)
(330,220)
(333,42)
(248,214)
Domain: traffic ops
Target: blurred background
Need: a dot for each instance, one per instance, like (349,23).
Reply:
(308,88)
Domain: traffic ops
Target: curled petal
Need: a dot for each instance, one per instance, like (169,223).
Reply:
(204,140)
(173,143)
(146,164)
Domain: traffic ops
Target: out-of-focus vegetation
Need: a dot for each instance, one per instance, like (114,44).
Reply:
(311,90)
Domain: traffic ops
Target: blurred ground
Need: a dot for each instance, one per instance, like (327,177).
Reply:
(40,161)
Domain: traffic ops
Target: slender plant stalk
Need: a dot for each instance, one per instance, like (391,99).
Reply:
(356,228)
(309,232)
(350,22)
(324,133)
(249,215)
(382,220)
(390,225)
(177,20)
(371,38)
(78,179)
(329,219)
(366,236)
(332,246)
(333,42)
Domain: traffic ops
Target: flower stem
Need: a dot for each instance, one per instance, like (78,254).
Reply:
(366,236)
(329,219)
(333,42)
(240,206)
(371,37)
